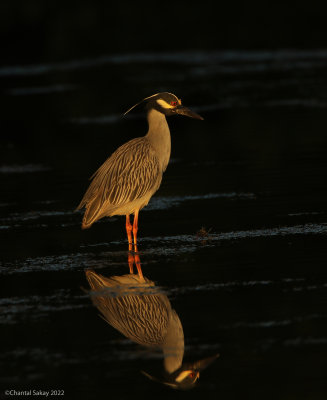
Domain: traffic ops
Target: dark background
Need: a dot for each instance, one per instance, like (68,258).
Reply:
(40,31)
(253,174)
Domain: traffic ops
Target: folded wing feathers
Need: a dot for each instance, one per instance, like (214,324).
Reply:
(128,174)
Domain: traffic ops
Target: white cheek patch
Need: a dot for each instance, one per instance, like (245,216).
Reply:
(183,375)
(164,104)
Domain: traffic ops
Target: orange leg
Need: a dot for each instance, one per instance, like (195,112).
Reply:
(135,229)
(129,229)
(136,252)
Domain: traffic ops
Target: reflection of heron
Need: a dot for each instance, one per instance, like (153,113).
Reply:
(124,184)
(136,308)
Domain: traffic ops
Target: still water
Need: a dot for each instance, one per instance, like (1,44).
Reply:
(234,241)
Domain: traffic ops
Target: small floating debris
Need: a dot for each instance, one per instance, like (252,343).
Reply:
(204,234)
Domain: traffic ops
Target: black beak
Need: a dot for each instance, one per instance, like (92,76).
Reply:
(186,111)
(204,363)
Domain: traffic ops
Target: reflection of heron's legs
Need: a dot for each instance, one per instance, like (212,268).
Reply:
(135,229)
(138,263)
(131,262)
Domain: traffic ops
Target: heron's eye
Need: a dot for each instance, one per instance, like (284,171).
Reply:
(173,103)
(192,375)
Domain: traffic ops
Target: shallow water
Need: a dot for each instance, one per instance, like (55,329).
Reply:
(236,235)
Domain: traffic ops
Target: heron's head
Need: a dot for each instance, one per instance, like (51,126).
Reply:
(186,376)
(167,104)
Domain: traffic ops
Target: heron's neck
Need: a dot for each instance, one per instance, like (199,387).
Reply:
(173,347)
(159,136)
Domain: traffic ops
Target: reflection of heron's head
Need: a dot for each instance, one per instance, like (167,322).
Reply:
(186,376)
(142,312)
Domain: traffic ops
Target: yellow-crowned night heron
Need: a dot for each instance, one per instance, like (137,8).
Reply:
(124,184)
(140,311)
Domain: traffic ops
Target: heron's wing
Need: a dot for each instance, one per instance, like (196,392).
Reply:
(127,175)
(141,318)
(137,309)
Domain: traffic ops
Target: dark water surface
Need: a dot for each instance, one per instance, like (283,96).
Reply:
(236,235)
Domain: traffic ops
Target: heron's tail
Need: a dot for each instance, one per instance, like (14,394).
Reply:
(85,225)
(95,210)
(92,213)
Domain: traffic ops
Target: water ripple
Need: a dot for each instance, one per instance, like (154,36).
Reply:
(14,220)
(18,309)
(23,169)
(39,90)
(296,58)
(306,229)
(169,245)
